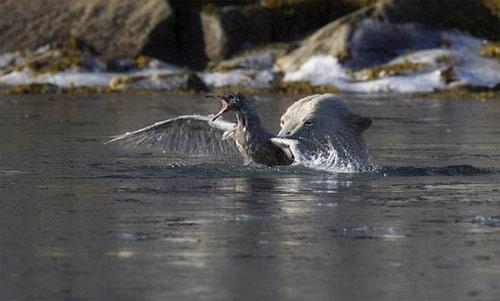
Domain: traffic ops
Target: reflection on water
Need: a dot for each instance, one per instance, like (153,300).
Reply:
(80,220)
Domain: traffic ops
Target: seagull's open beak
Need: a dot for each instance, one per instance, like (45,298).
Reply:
(224,109)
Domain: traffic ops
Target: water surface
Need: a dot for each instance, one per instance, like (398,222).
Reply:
(80,220)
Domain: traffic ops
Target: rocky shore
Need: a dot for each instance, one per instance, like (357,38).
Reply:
(359,46)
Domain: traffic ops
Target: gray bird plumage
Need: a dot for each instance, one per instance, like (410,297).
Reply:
(250,137)
(192,134)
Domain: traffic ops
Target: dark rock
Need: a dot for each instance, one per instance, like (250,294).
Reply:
(114,28)
(333,39)
(230,29)
(176,82)
(191,46)
(224,31)
(297,19)
(259,29)
(373,43)
(467,15)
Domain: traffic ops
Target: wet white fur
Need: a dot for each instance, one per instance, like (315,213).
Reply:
(328,131)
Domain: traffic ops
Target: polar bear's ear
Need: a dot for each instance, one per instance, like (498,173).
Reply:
(359,123)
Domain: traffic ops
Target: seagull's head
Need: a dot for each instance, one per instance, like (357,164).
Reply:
(230,102)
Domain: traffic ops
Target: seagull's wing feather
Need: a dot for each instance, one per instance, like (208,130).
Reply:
(292,148)
(193,134)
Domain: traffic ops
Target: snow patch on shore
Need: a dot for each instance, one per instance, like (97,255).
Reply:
(461,61)
(326,71)
(70,78)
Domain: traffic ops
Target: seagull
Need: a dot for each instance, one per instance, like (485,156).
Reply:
(212,135)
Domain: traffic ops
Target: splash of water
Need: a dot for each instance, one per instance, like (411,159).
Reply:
(490,221)
(326,157)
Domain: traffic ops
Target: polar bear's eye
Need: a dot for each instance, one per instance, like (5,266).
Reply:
(308,122)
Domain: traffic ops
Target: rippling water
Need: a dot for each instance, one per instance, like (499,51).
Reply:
(80,220)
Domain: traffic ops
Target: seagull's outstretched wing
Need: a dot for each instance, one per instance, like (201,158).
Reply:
(193,134)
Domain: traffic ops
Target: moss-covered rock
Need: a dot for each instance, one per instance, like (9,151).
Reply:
(70,55)
(255,59)
(448,75)
(491,50)
(303,87)
(35,89)
(492,5)
(445,60)
(177,82)
(403,68)
(73,55)
(460,94)
(289,88)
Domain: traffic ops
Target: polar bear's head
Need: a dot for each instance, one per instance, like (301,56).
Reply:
(320,120)
(321,115)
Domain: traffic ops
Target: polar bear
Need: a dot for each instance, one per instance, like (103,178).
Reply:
(327,129)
